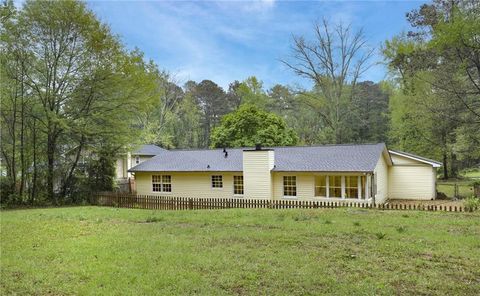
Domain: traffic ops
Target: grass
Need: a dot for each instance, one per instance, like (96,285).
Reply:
(110,251)
(465,188)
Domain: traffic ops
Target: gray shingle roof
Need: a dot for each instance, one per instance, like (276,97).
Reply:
(148,150)
(328,158)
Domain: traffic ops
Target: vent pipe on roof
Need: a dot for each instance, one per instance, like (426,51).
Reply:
(258,146)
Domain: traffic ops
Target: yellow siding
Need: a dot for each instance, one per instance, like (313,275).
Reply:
(381,173)
(256,173)
(188,184)
(305,185)
(412,182)
(400,160)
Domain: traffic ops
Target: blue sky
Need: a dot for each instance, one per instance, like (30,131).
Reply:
(231,40)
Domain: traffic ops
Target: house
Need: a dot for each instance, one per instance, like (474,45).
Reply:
(363,173)
(128,160)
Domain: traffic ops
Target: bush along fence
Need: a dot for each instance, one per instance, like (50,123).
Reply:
(154,202)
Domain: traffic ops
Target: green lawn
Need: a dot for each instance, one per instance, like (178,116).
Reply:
(109,251)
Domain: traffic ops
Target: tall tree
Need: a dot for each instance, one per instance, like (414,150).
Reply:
(334,62)
(369,117)
(213,103)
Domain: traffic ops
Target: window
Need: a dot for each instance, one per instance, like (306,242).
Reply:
(351,186)
(363,183)
(321,186)
(217,181)
(161,183)
(137,159)
(238,185)
(335,186)
(289,186)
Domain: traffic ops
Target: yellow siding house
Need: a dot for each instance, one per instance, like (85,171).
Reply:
(368,173)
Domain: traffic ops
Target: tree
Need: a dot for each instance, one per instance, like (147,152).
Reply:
(442,52)
(156,120)
(68,86)
(369,117)
(334,62)
(213,104)
(250,125)
(251,92)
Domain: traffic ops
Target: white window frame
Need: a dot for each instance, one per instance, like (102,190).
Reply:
(316,186)
(357,185)
(212,181)
(362,194)
(292,179)
(238,184)
(160,180)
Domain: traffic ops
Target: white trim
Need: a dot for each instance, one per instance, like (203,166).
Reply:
(359,187)
(434,164)
(343,199)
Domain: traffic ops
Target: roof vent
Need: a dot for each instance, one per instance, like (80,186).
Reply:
(258,146)
(226,154)
(208,166)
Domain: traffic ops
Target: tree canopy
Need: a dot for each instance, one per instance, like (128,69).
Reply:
(250,125)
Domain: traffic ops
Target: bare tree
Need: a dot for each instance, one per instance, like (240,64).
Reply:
(333,61)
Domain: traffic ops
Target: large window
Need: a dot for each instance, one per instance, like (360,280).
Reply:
(289,186)
(238,185)
(335,186)
(161,183)
(351,186)
(321,186)
(217,181)
(341,186)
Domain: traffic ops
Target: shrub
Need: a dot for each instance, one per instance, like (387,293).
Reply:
(153,219)
(471,204)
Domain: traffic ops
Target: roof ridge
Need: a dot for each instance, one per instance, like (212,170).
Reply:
(308,146)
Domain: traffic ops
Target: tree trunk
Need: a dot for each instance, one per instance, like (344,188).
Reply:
(445,168)
(68,179)
(34,178)
(50,164)
(22,143)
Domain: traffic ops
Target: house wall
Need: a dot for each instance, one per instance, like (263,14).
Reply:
(188,184)
(257,177)
(199,185)
(381,173)
(120,170)
(305,185)
(410,179)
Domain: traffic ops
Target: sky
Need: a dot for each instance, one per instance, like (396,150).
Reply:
(225,41)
